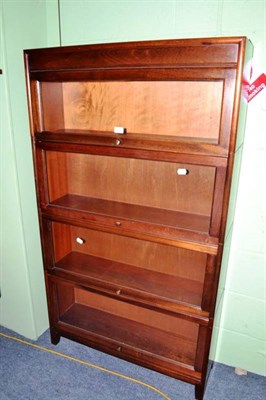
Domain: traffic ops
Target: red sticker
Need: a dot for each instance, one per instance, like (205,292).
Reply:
(256,87)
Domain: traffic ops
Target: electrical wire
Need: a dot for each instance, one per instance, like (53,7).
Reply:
(88,364)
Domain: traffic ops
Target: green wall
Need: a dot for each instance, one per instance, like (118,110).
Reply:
(239,335)
(240,327)
(23,303)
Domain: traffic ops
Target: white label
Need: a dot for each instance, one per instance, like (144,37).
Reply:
(182,171)
(120,130)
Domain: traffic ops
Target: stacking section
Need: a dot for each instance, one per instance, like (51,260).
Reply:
(138,196)
(133,147)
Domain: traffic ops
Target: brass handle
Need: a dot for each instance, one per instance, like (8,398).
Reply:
(117,223)
(118,291)
(117,142)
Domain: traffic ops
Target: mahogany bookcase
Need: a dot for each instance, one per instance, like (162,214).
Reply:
(134,146)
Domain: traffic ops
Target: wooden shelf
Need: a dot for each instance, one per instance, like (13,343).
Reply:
(161,143)
(149,223)
(127,334)
(152,215)
(91,135)
(152,288)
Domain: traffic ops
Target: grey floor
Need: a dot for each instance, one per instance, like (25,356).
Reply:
(29,373)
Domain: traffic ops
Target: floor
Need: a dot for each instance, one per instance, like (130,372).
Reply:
(41,371)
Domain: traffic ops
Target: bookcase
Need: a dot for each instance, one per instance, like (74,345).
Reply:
(134,146)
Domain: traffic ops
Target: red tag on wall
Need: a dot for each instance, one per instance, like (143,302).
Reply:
(256,87)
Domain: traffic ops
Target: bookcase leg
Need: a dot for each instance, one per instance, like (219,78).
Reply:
(55,337)
(199,392)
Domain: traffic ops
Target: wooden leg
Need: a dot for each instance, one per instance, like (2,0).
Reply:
(55,337)
(199,392)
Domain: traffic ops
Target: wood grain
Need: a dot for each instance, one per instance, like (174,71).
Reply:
(142,182)
(57,174)
(170,345)
(131,312)
(52,105)
(139,253)
(127,281)
(159,108)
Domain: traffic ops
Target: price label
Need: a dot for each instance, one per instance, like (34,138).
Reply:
(256,87)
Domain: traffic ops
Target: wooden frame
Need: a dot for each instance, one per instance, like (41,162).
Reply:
(133,225)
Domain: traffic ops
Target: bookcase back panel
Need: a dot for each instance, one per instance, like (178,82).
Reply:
(139,253)
(142,315)
(128,326)
(166,276)
(189,109)
(140,182)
